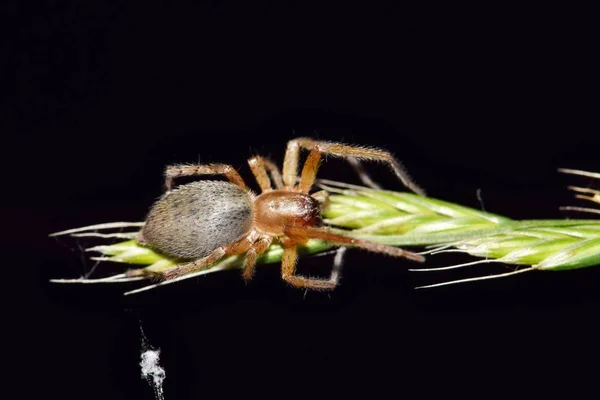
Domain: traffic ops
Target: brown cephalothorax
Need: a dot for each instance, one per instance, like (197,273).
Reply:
(280,209)
(201,222)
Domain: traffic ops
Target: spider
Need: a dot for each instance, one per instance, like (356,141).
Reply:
(202,222)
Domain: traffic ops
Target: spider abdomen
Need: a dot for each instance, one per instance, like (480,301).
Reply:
(195,219)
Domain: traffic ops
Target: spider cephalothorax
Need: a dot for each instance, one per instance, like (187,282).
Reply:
(201,222)
(280,209)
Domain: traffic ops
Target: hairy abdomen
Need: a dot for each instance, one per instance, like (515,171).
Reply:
(194,219)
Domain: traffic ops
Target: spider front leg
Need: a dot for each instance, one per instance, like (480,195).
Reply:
(329,235)
(319,148)
(176,171)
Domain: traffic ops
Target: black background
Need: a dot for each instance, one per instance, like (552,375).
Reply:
(100,96)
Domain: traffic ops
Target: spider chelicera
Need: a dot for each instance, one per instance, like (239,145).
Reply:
(202,222)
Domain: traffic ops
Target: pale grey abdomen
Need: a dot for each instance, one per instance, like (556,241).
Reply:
(194,219)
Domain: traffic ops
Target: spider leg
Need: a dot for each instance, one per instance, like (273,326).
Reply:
(176,171)
(288,272)
(363,175)
(290,163)
(326,234)
(338,262)
(220,252)
(259,247)
(259,166)
(320,148)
